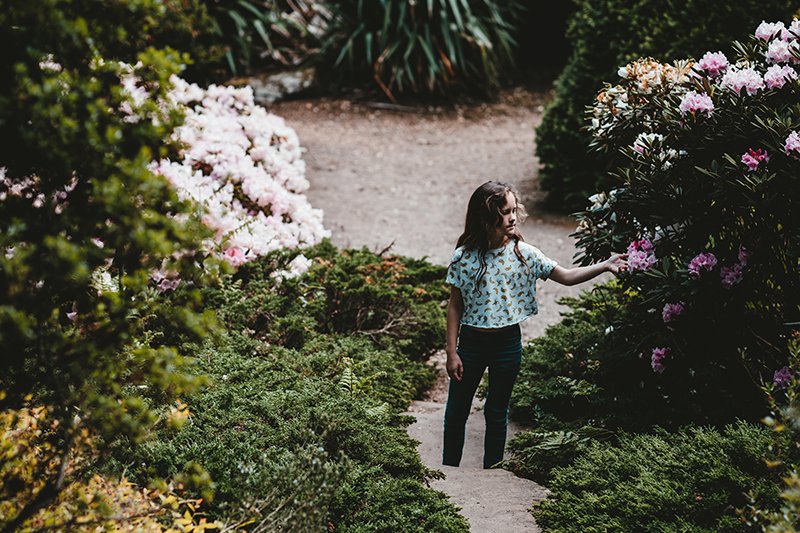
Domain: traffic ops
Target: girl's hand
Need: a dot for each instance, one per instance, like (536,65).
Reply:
(455,369)
(617,263)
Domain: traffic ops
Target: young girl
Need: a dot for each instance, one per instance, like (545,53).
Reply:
(493,276)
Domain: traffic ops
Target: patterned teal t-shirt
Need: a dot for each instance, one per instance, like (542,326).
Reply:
(507,291)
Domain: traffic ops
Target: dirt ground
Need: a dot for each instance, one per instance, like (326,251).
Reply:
(401,177)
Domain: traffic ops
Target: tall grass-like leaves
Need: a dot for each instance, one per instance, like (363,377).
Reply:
(435,47)
(269,33)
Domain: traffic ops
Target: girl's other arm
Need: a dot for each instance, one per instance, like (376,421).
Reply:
(454,310)
(572,276)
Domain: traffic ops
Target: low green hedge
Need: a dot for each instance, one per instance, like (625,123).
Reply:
(691,480)
(300,427)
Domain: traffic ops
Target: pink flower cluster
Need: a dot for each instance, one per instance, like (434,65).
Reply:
(702,262)
(672,311)
(768,30)
(244,166)
(782,377)
(792,144)
(165,281)
(694,102)
(748,79)
(777,76)
(753,158)
(780,51)
(657,359)
(713,63)
(731,275)
(640,255)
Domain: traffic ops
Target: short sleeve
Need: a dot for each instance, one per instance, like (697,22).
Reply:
(541,264)
(454,270)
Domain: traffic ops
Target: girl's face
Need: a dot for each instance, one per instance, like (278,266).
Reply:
(507,225)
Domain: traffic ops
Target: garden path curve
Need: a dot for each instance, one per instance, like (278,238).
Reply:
(402,177)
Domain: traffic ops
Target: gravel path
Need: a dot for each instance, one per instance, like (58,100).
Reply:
(390,177)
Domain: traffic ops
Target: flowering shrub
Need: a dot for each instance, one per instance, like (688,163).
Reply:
(243,165)
(604,34)
(707,207)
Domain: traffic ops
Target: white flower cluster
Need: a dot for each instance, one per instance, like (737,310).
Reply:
(296,268)
(245,167)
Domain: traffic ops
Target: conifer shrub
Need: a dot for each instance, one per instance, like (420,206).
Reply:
(301,425)
(691,480)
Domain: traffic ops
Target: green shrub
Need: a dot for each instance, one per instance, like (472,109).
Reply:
(84,225)
(693,480)
(301,378)
(432,47)
(607,34)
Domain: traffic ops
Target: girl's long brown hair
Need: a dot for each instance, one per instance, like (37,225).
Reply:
(483,215)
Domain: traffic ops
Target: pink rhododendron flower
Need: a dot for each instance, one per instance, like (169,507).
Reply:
(657,359)
(768,30)
(780,51)
(640,255)
(235,256)
(731,275)
(753,158)
(704,261)
(168,284)
(792,144)
(737,79)
(646,140)
(672,311)
(782,377)
(72,315)
(792,32)
(777,76)
(743,255)
(693,102)
(713,63)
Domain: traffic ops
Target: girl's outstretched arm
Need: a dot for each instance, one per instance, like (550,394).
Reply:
(572,276)
(454,310)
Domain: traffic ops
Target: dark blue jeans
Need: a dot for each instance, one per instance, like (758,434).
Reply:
(501,352)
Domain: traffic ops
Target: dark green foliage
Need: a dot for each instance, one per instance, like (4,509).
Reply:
(428,47)
(299,379)
(692,480)
(77,200)
(607,34)
(397,302)
(264,34)
(593,369)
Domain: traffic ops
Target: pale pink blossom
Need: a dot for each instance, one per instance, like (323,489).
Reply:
(753,158)
(235,256)
(713,63)
(792,144)
(702,262)
(645,140)
(735,80)
(780,51)
(768,30)
(777,76)
(693,102)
